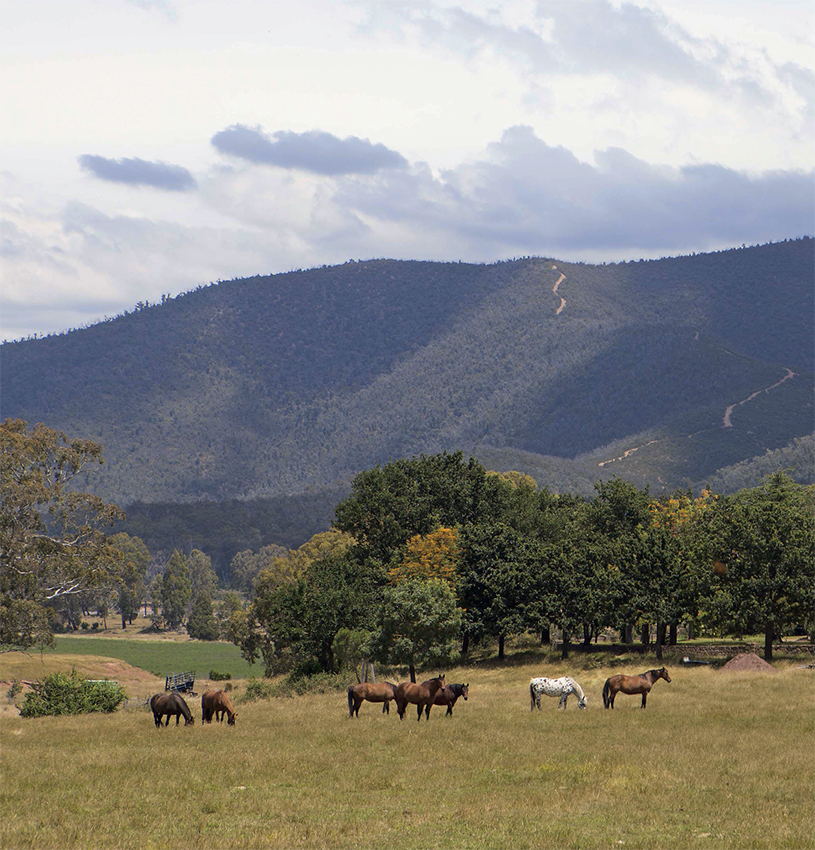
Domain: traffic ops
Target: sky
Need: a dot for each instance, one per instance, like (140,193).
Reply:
(151,146)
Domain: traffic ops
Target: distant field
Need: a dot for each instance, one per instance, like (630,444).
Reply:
(164,656)
(717,760)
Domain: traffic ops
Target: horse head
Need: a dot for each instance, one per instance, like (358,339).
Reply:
(465,690)
(663,674)
(582,702)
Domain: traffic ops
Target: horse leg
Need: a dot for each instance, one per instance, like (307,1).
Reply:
(157,720)
(449,711)
(644,697)
(421,708)
(562,703)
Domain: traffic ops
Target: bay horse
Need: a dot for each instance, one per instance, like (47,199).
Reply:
(419,695)
(382,692)
(170,704)
(563,687)
(641,684)
(219,704)
(448,696)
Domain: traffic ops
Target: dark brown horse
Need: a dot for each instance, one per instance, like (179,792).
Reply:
(382,692)
(419,695)
(219,704)
(641,684)
(448,696)
(170,704)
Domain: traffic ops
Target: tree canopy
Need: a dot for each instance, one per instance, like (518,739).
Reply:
(52,542)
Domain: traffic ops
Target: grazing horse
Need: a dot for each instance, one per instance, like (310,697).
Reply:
(563,688)
(219,704)
(382,692)
(170,704)
(448,696)
(420,695)
(641,684)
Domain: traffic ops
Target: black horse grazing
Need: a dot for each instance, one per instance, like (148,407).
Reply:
(448,696)
(170,704)
(420,695)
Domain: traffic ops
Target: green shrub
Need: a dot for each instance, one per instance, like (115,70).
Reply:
(59,694)
(294,685)
(215,676)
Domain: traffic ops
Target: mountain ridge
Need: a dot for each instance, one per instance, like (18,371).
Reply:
(271,385)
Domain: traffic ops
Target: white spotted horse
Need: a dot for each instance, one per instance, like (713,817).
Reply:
(563,688)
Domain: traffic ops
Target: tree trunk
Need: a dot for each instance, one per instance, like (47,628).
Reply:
(660,638)
(465,644)
(412,673)
(769,632)
(564,647)
(645,634)
(673,634)
(546,635)
(586,634)
(501,647)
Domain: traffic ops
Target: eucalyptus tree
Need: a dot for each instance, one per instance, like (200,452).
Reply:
(52,543)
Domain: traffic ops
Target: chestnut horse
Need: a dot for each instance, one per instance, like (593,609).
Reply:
(448,696)
(382,692)
(419,695)
(641,684)
(219,704)
(170,704)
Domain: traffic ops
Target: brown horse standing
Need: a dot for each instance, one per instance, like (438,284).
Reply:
(219,704)
(641,684)
(448,696)
(382,692)
(419,695)
(170,704)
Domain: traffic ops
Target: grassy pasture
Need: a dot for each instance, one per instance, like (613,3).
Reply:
(163,656)
(717,760)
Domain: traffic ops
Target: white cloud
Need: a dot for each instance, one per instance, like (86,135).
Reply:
(588,129)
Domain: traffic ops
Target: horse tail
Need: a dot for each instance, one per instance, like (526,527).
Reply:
(531,697)
(351,701)
(606,693)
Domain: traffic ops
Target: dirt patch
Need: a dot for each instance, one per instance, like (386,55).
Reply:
(748,662)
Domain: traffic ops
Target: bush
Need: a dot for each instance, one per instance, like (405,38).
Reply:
(59,694)
(215,676)
(294,685)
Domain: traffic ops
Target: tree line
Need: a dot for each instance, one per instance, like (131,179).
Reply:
(426,557)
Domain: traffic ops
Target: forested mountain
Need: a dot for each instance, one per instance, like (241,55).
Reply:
(661,371)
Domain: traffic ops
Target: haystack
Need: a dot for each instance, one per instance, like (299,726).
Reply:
(748,662)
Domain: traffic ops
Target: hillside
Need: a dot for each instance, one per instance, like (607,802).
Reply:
(273,385)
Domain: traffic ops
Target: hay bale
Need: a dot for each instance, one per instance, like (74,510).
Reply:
(748,662)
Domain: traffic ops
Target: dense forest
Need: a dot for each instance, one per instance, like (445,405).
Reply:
(668,373)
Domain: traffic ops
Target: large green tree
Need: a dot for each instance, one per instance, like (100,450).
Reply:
(132,588)
(420,622)
(52,542)
(498,583)
(763,542)
(175,590)
(390,504)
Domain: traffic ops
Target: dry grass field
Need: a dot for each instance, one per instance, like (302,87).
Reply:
(717,760)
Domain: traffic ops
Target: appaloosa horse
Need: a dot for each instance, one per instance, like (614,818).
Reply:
(382,692)
(641,684)
(419,695)
(448,696)
(563,687)
(170,704)
(219,704)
